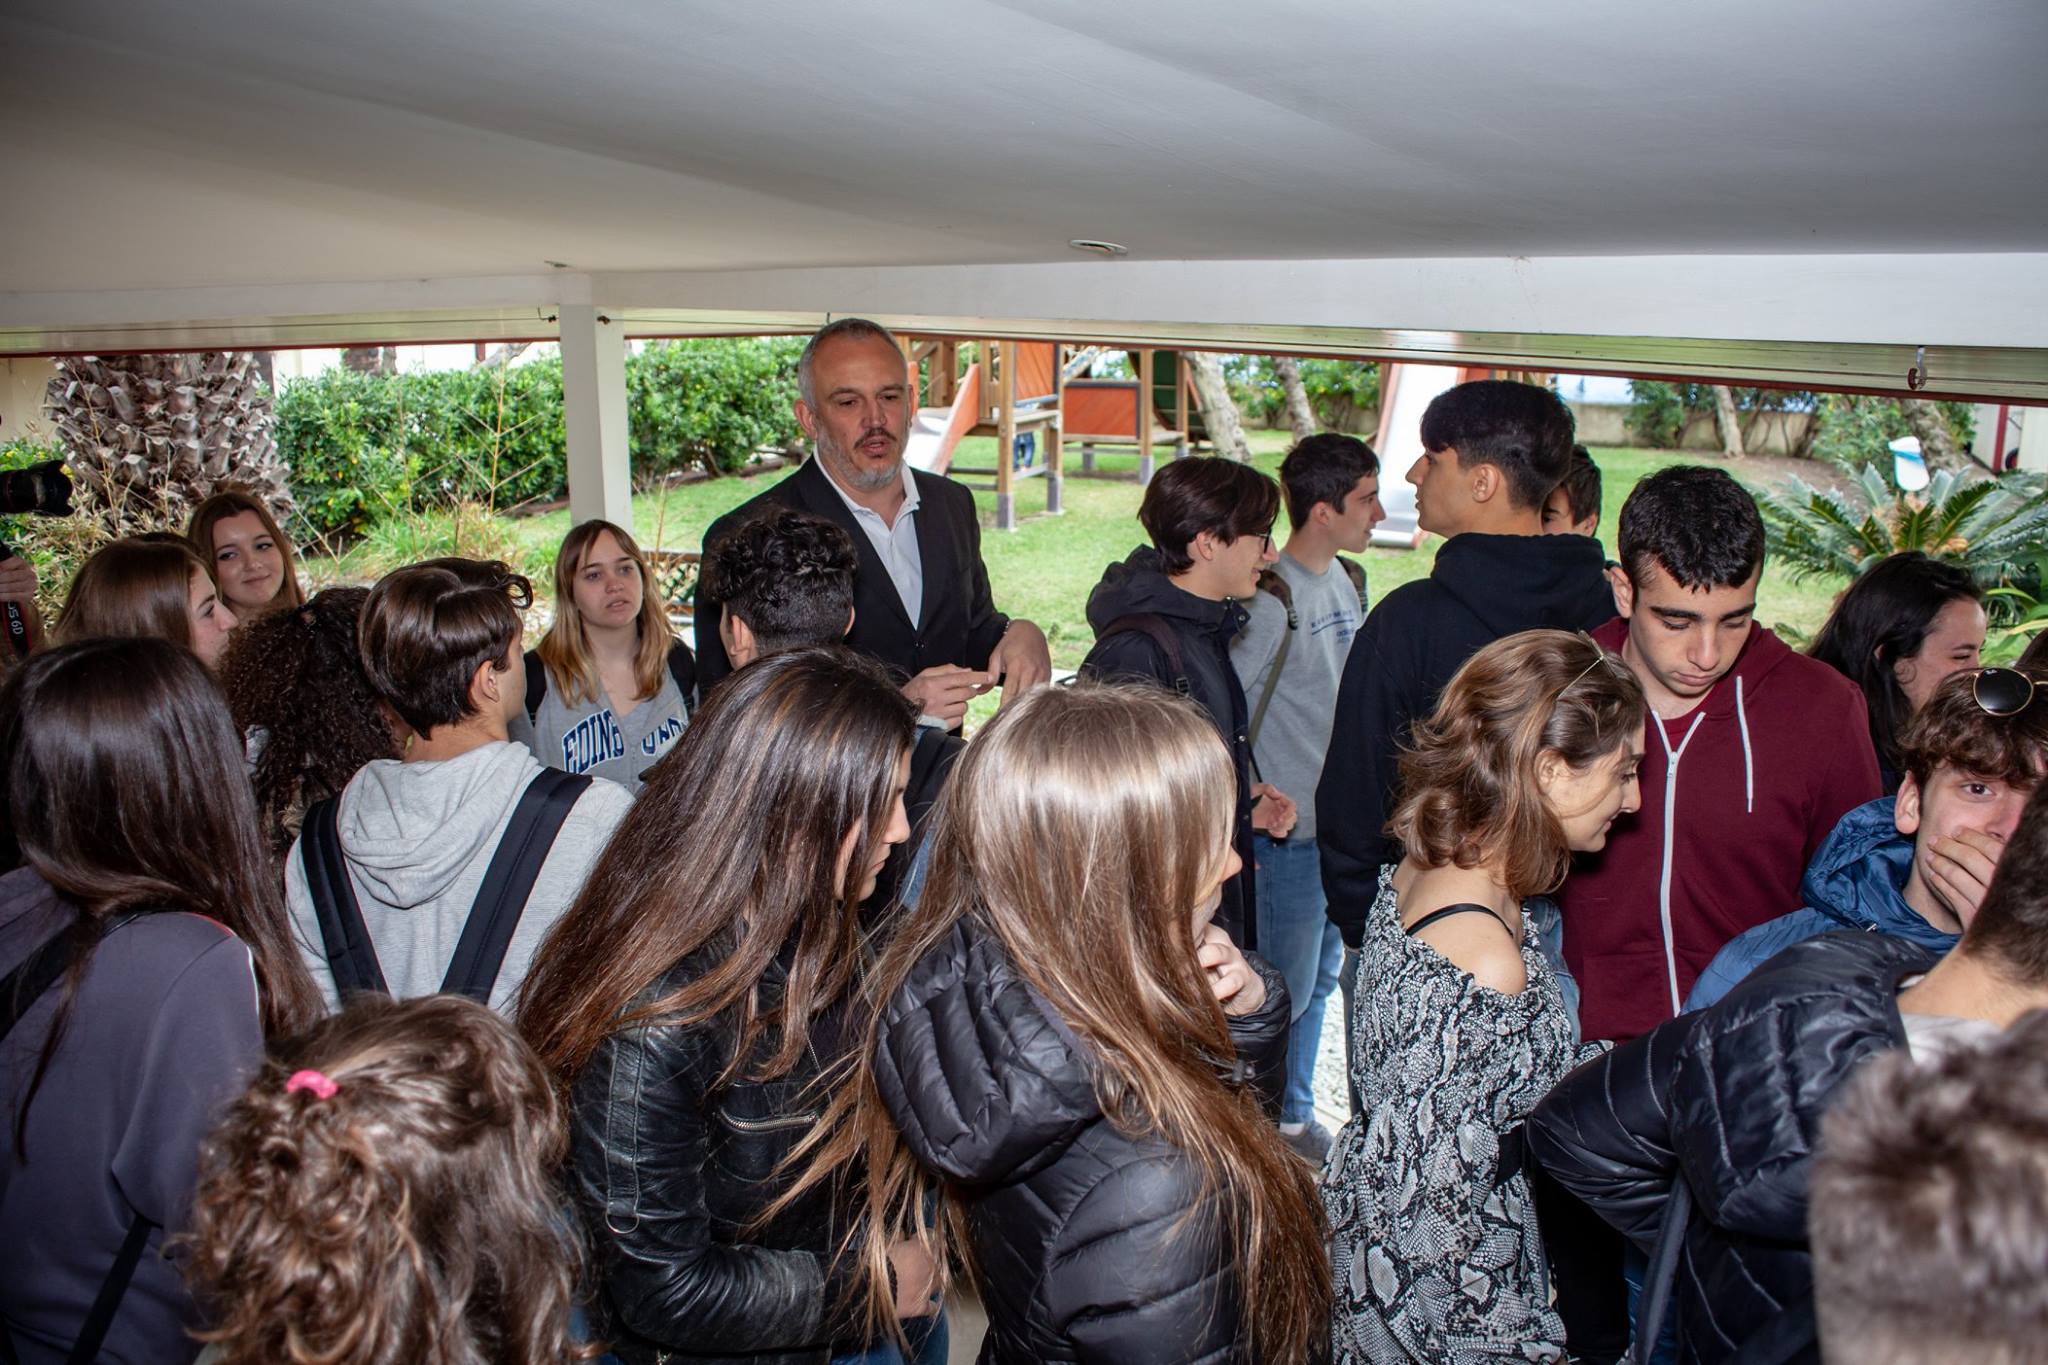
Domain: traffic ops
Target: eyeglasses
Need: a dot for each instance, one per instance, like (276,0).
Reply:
(2002,691)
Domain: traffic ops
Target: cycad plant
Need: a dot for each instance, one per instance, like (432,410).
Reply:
(1994,527)
(148,437)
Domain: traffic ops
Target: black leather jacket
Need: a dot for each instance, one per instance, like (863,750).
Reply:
(1730,1100)
(1083,1234)
(668,1167)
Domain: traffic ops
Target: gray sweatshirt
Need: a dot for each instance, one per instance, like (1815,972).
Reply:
(1295,734)
(418,838)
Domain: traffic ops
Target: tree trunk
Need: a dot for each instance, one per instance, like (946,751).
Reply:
(1728,422)
(1219,409)
(1937,443)
(1301,418)
(504,355)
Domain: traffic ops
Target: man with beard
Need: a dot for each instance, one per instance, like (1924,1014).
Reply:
(921,601)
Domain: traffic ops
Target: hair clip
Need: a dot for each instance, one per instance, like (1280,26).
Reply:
(315,1081)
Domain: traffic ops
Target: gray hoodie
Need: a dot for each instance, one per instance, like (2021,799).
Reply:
(418,838)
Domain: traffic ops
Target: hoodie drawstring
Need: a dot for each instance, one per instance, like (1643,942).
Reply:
(1748,759)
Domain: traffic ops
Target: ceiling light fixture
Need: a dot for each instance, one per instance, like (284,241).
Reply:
(1095,248)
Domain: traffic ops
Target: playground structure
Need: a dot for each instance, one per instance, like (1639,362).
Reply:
(1030,396)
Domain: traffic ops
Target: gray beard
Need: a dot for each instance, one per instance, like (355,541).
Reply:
(854,476)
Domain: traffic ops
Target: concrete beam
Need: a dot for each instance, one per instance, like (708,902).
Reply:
(594,414)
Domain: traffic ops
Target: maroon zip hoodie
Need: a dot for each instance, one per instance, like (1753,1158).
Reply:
(1737,796)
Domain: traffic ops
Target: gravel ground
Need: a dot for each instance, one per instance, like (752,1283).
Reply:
(1333,1105)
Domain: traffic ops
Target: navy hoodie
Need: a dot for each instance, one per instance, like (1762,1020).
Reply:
(1204,630)
(1481,588)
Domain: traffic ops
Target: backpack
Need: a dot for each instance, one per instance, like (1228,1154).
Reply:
(682,666)
(500,901)
(1270,581)
(1154,628)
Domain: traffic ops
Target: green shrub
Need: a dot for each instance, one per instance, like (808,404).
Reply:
(343,438)
(1856,428)
(1659,413)
(710,404)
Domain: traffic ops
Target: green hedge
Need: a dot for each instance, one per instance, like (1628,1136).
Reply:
(365,447)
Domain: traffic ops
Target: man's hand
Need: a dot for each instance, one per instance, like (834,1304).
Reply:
(1959,867)
(943,691)
(17,581)
(1238,988)
(1022,659)
(1273,811)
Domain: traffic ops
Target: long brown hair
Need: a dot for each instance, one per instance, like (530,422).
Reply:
(127,793)
(398,1208)
(233,502)
(565,649)
(1469,777)
(133,589)
(1082,828)
(732,848)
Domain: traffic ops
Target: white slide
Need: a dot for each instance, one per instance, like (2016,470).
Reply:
(927,439)
(1405,391)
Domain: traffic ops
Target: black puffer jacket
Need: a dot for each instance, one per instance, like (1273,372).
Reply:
(1077,1227)
(1203,631)
(1731,1099)
(668,1166)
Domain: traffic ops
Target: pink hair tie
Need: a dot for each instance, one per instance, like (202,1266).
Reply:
(315,1081)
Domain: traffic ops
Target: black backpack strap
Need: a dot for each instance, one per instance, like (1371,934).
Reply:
(682,666)
(1154,628)
(1276,585)
(1662,1272)
(19,991)
(536,684)
(1461,908)
(1355,571)
(351,957)
(487,933)
(36,973)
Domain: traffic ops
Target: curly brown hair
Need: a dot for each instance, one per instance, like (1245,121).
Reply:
(298,677)
(1470,794)
(399,1208)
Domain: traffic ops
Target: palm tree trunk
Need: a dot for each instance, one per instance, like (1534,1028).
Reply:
(1937,443)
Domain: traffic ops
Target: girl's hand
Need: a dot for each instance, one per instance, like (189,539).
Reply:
(912,1270)
(1238,988)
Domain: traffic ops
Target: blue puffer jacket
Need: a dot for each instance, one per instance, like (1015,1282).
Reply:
(1856,881)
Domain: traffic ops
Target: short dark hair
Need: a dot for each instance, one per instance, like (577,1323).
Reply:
(1952,731)
(1205,493)
(1581,485)
(2011,926)
(428,627)
(1699,524)
(1324,468)
(1520,429)
(1929,1206)
(787,574)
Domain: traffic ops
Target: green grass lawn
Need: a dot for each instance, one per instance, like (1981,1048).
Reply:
(1044,569)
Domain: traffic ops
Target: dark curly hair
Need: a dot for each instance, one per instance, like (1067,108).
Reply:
(398,1205)
(297,677)
(787,574)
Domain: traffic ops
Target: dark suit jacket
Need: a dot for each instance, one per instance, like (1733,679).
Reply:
(961,624)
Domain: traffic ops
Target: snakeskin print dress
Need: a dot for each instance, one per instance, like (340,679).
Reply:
(1435,1258)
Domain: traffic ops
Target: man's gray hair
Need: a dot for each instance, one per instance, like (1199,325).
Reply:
(856,329)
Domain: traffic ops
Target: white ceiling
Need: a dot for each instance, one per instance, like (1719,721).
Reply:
(147,144)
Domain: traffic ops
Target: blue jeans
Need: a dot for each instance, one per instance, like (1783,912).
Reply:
(928,1345)
(1296,937)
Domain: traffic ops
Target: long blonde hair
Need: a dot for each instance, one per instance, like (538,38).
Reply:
(565,650)
(1081,829)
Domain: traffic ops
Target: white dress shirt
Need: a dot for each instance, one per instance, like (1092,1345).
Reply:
(897,545)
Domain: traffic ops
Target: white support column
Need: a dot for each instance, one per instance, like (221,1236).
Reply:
(594,414)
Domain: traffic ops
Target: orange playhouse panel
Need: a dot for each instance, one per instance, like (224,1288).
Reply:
(1107,409)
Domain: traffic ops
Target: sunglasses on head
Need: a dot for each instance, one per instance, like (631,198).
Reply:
(2002,691)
